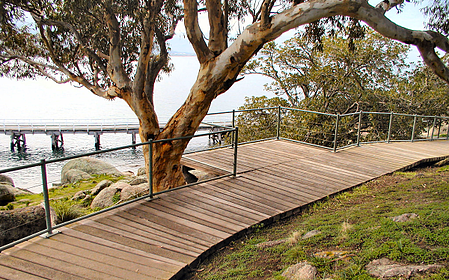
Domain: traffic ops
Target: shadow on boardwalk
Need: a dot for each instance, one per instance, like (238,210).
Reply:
(160,239)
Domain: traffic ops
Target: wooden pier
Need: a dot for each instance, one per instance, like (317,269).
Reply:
(56,129)
(161,239)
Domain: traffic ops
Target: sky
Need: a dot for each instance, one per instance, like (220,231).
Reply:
(17,93)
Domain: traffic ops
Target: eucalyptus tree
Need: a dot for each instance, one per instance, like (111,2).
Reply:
(334,78)
(116,48)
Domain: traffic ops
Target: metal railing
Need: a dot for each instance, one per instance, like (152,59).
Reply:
(334,131)
(52,229)
(330,131)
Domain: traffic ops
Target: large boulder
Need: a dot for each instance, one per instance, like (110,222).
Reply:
(106,197)
(6,196)
(8,191)
(74,175)
(90,166)
(18,223)
(134,191)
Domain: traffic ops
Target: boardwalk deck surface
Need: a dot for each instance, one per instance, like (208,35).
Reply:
(161,238)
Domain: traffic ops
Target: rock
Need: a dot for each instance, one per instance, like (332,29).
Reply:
(270,244)
(404,217)
(79,195)
(201,175)
(74,175)
(133,191)
(100,186)
(14,190)
(6,195)
(87,198)
(138,180)
(90,166)
(384,268)
(6,179)
(16,224)
(300,271)
(311,234)
(128,173)
(120,185)
(105,196)
(141,171)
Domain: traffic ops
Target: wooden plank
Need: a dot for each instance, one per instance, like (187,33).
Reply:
(185,221)
(15,274)
(128,227)
(32,268)
(202,219)
(241,187)
(217,208)
(204,209)
(175,226)
(119,254)
(42,257)
(134,243)
(262,204)
(81,236)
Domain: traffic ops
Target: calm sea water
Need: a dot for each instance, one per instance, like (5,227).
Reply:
(45,100)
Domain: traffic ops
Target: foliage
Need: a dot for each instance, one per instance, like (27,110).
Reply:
(334,79)
(66,210)
(358,222)
(437,12)
(339,80)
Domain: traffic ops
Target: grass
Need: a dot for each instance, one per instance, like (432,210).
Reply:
(357,222)
(65,208)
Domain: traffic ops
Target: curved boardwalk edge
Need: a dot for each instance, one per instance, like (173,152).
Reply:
(163,238)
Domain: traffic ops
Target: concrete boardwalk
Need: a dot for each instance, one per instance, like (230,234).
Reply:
(161,238)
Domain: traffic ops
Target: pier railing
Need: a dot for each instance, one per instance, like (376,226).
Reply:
(330,131)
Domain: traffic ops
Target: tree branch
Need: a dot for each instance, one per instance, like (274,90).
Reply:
(218,26)
(115,67)
(193,31)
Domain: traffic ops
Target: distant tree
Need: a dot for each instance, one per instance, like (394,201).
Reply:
(116,49)
(335,77)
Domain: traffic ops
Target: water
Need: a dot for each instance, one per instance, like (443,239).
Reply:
(46,100)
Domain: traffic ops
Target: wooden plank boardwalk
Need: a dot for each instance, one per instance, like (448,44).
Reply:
(161,238)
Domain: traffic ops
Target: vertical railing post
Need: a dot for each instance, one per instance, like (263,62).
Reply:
(447,130)
(233,125)
(50,231)
(236,137)
(413,129)
(439,128)
(279,123)
(336,132)
(150,167)
(389,127)
(433,127)
(359,128)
